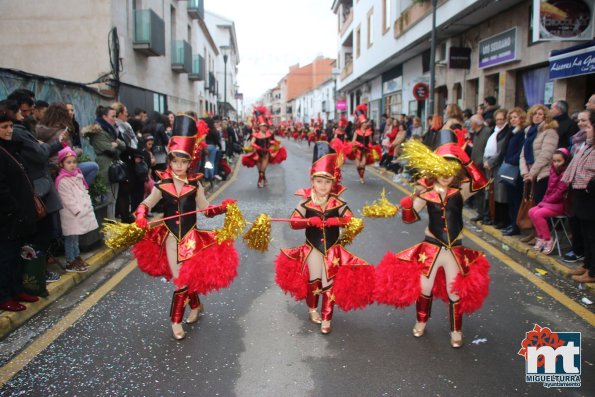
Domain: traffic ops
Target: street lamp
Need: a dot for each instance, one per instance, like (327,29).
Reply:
(225,51)
(432,60)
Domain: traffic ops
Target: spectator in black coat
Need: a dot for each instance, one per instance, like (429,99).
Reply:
(566,126)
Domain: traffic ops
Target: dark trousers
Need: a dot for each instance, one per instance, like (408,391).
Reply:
(123,201)
(578,244)
(588,233)
(11,270)
(539,188)
(514,195)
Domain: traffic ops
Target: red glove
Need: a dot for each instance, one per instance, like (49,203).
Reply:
(141,216)
(408,212)
(315,221)
(213,210)
(337,221)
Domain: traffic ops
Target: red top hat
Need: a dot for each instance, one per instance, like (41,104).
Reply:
(343,122)
(361,113)
(183,139)
(260,115)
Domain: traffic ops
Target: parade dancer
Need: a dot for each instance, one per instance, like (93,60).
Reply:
(362,142)
(265,149)
(176,249)
(440,265)
(322,266)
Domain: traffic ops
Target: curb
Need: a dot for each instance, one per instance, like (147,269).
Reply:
(10,321)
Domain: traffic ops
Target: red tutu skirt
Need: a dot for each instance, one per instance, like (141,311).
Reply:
(353,285)
(209,269)
(398,278)
(249,160)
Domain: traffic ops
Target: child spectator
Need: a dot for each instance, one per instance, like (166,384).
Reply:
(552,203)
(76,216)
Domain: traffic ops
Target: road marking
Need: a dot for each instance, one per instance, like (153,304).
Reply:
(18,362)
(48,337)
(555,293)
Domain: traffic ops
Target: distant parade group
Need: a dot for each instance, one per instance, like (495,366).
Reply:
(321,271)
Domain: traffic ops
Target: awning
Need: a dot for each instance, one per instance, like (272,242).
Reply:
(572,61)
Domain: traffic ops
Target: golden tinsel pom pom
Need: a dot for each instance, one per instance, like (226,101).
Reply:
(233,225)
(259,235)
(425,163)
(353,228)
(381,208)
(121,235)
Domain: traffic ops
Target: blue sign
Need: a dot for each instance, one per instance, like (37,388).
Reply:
(572,61)
(498,49)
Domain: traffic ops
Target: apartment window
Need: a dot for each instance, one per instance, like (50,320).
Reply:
(172,12)
(386,11)
(370,27)
(189,34)
(358,37)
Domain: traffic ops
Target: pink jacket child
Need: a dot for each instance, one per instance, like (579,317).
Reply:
(76,216)
(552,203)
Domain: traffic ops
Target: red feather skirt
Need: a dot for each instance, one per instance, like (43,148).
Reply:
(212,267)
(398,278)
(353,284)
(278,156)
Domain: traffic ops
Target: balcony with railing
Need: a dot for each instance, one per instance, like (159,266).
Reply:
(181,56)
(196,9)
(411,15)
(347,69)
(198,68)
(149,33)
(347,19)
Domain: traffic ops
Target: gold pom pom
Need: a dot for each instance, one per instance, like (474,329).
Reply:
(233,225)
(353,228)
(381,208)
(425,163)
(248,149)
(121,235)
(259,235)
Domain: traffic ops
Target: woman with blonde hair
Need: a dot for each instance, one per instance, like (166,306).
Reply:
(541,141)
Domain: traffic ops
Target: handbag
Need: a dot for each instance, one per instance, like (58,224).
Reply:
(34,262)
(508,173)
(141,170)
(117,172)
(523,221)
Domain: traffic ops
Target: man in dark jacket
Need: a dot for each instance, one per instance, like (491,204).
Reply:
(566,126)
(17,216)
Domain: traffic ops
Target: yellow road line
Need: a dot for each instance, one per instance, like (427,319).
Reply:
(18,362)
(576,308)
(44,340)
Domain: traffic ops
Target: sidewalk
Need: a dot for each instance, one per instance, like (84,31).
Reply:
(10,321)
(551,263)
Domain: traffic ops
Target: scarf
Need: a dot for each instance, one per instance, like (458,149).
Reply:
(69,174)
(107,127)
(528,145)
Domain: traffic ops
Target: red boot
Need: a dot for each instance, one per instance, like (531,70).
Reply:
(195,306)
(314,290)
(328,302)
(456,323)
(178,304)
(423,307)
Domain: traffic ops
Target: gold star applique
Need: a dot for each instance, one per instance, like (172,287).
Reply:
(190,244)
(317,291)
(336,262)
(422,257)
(332,297)
(186,301)
(466,260)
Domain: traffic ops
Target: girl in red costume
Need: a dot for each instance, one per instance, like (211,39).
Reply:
(321,266)
(176,249)
(440,265)
(362,142)
(266,149)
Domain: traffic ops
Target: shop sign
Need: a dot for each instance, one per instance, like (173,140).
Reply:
(392,85)
(498,49)
(459,57)
(341,105)
(572,61)
(421,91)
(557,20)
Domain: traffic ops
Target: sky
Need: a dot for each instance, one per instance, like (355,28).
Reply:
(272,35)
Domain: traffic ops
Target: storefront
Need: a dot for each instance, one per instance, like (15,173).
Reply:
(392,91)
